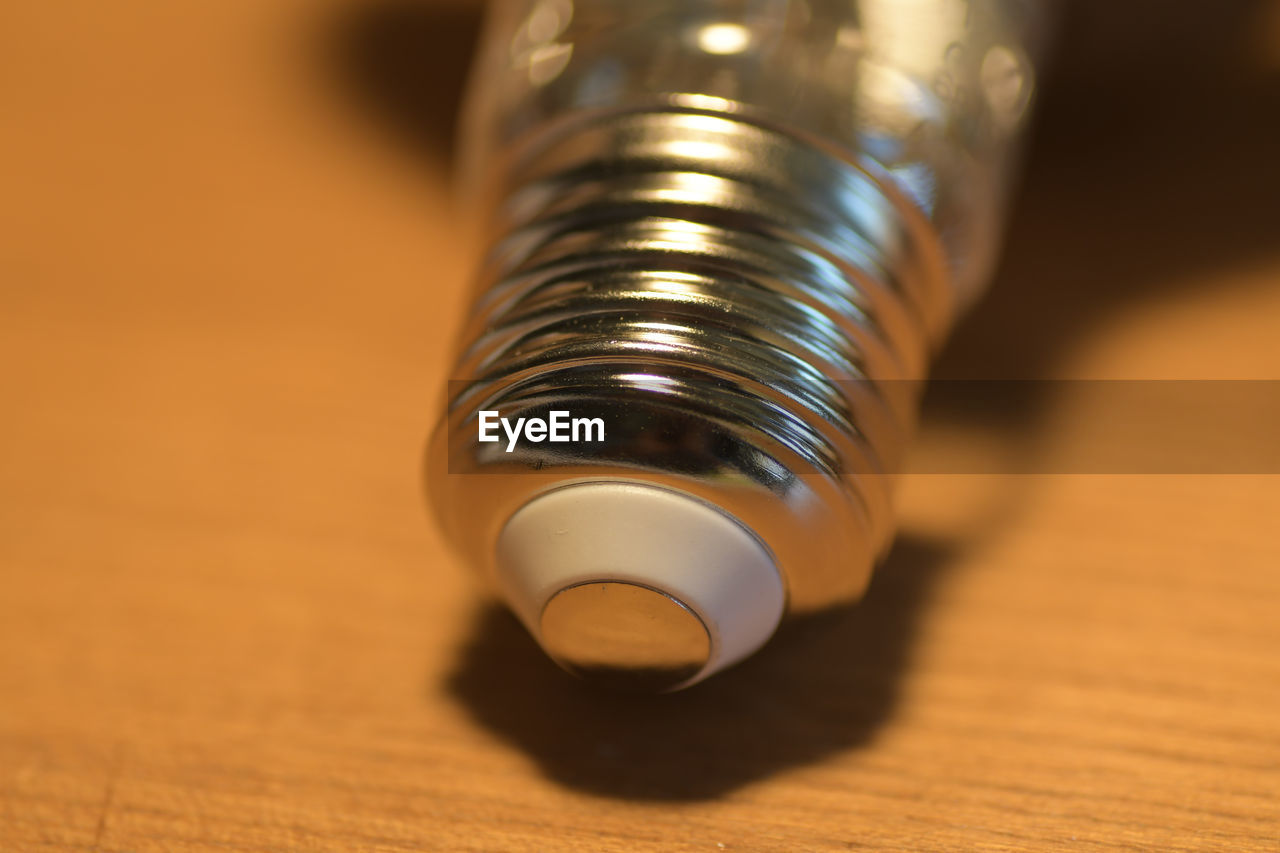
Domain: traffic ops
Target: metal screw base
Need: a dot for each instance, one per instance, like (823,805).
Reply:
(735,303)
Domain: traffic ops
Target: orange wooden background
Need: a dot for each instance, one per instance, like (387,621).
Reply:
(228,275)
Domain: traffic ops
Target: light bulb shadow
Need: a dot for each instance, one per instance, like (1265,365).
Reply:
(402,64)
(826,684)
(1138,185)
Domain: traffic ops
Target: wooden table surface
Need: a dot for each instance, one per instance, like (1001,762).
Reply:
(229,272)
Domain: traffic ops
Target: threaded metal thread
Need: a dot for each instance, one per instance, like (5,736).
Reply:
(736,303)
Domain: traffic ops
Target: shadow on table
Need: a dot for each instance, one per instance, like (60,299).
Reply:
(1153,157)
(823,685)
(402,63)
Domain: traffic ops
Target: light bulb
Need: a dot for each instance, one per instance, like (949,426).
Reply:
(724,239)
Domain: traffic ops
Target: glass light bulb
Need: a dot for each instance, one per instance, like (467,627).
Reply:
(730,232)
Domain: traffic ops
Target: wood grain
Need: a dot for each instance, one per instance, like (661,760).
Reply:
(229,270)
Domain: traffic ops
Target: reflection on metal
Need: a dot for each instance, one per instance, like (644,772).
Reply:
(723,39)
(625,636)
(1006,84)
(536,48)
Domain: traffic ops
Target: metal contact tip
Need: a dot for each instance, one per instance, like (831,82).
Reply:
(625,635)
(640,587)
